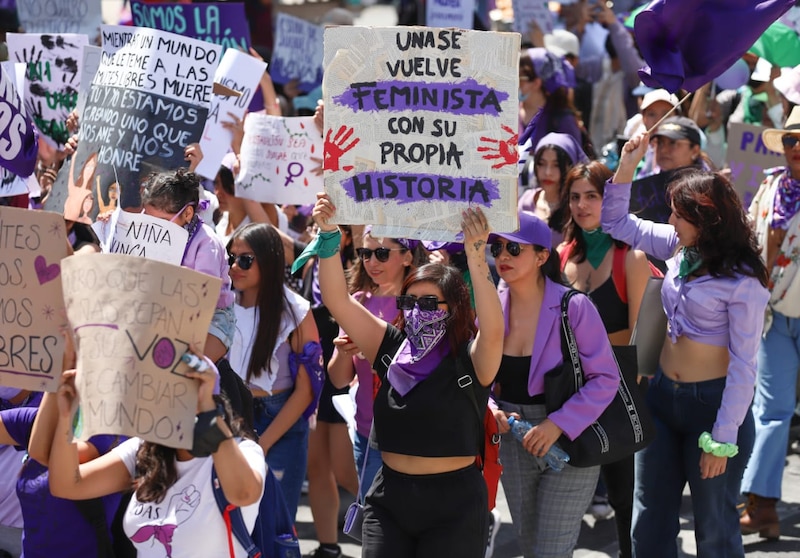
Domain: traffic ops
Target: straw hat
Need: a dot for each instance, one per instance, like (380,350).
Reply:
(772,136)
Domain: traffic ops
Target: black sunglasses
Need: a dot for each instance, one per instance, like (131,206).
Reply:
(245,261)
(513,248)
(427,303)
(381,253)
(789,141)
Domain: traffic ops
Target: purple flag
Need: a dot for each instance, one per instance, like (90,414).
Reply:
(19,141)
(687,43)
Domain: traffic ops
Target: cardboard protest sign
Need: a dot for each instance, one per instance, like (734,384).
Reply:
(133,318)
(90,62)
(281,160)
(420,124)
(149,100)
(221,23)
(32,245)
(137,234)
(19,145)
(748,157)
(532,11)
(61,16)
(52,79)
(450,13)
(240,72)
(297,53)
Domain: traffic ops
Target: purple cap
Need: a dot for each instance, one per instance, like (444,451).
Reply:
(532,230)
(407,243)
(553,70)
(566,142)
(449,247)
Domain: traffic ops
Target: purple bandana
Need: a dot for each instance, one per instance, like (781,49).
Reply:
(787,201)
(424,348)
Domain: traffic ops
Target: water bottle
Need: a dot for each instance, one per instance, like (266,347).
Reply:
(555,457)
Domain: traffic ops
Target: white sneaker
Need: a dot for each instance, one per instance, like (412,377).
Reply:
(600,508)
(494,526)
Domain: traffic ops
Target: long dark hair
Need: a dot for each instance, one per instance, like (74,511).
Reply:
(558,215)
(156,471)
(267,247)
(551,268)
(596,173)
(461,321)
(726,241)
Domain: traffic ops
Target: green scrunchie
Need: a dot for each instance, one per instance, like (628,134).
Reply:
(324,245)
(718,449)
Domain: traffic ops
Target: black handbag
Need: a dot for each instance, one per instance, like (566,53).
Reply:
(625,426)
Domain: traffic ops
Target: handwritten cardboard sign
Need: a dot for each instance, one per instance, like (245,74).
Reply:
(297,53)
(137,234)
(52,79)
(240,72)
(90,58)
(450,13)
(748,157)
(149,100)
(133,318)
(32,245)
(421,123)
(18,143)
(281,160)
(532,11)
(61,16)
(222,23)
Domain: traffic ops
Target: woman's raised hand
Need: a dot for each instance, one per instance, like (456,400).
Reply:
(323,211)
(632,152)
(67,394)
(476,231)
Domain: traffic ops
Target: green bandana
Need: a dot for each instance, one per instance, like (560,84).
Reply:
(597,245)
(691,261)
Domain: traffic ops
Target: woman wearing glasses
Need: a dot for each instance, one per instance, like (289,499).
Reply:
(276,351)
(546,505)
(429,497)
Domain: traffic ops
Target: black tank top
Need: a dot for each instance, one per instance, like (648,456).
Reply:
(612,310)
(511,382)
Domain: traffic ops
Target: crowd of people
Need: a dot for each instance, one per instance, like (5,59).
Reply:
(427,336)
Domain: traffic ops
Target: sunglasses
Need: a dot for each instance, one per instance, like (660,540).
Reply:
(513,248)
(381,253)
(790,141)
(428,303)
(245,261)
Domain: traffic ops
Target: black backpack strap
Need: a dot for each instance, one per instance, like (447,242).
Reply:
(234,520)
(465,382)
(94,513)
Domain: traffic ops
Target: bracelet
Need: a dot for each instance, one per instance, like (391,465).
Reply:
(717,449)
(207,433)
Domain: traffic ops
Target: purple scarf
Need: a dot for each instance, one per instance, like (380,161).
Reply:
(787,201)
(411,365)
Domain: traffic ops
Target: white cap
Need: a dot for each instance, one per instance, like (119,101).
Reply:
(659,95)
(788,83)
(762,71)
(562,43)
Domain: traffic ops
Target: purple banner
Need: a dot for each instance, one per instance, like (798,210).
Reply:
(406,188)
(467,97)
(19,142)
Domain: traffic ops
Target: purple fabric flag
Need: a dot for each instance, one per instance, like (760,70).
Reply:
(687,43)
(19,140)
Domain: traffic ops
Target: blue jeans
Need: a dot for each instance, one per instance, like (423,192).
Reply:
(289,455)
(681,412)
(773,406)
(374,462)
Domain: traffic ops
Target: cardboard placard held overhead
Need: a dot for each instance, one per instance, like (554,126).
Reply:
(61,16)
(748,158)
(421,123)
(32,246)
(133,319)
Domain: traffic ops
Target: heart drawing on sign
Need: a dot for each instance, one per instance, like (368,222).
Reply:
(45,272)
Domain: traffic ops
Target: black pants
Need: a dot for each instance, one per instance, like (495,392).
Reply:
(618,478)
(426,515)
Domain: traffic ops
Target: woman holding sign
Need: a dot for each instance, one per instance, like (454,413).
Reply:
(429,498)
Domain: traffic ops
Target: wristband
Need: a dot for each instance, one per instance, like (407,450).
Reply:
(717,449)
(207,433)
(324,245)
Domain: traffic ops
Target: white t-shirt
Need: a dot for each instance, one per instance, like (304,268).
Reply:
(187,523)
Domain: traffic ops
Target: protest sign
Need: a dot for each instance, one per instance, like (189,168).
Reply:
(18,142)
(281,160)
(420,124)
(90,62)
(32,245)
(137,234)
(748,157)
(221,23)
(297,53)
(450,13)
(240,72)
(51,80)
(133,318)
(527,12)
(60,16)
(148,101)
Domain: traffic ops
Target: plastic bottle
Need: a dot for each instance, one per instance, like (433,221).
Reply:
(555,457)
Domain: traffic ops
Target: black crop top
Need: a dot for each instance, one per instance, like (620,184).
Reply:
(436,418)
(511,383)
(612,310)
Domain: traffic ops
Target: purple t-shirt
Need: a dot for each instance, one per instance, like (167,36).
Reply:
(53,526)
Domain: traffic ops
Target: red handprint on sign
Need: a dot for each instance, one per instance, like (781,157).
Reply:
(504,150)
(335,148)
